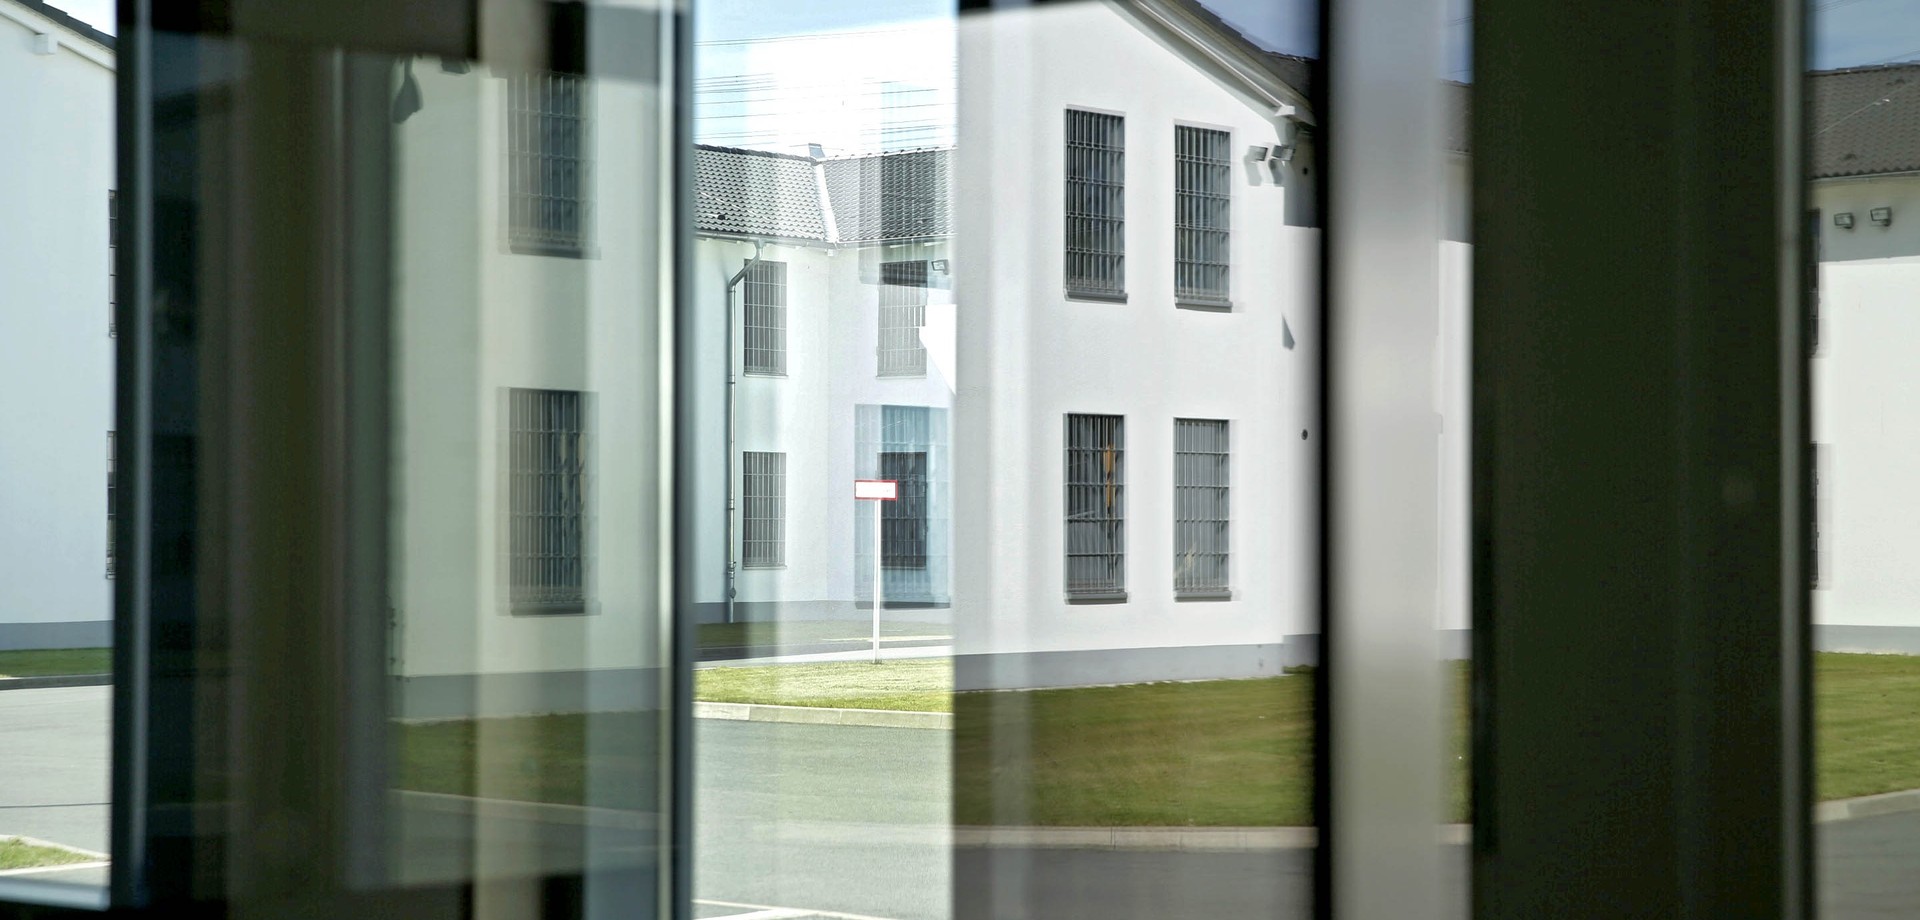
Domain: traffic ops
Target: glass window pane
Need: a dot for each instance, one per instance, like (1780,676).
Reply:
(59,493)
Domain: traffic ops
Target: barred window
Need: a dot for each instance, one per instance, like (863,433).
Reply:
(113,499)
(547,473)
(903,312)
(1819,572)
(548,170)
(1202,180)
(765,320)
(1200,507)
(113,268)
(903,522)
(763,509)
(1096,506)
(1096,204)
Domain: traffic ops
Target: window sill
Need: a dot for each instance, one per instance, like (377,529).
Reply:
(1097,296)
(1203,306)
(915,375)
(1225,594)
(577,609)
(781,375)
(556,251)
(762,568)
(1117,597)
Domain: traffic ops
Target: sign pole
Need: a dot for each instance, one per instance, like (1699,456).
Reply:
(876,581)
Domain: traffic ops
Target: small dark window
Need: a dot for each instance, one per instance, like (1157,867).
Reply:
(1096,506)
(113,265)
(1203,175)
(765,320)
(763,509)
(548,170)
(1096,205)
(113,498)
(547,469)
(903,522)
(903,313)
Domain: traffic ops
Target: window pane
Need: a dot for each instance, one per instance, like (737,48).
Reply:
(58,488)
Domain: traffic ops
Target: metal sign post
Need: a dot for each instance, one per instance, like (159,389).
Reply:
(876,491)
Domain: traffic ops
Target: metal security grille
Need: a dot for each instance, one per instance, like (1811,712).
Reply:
(1200,506)
(1096,204)
(765,293)
(547,473)
(763,509)
(112,499)
(1202,178)
(903,522)
(113,270)
(547,165)
(903,312)
(1096,506)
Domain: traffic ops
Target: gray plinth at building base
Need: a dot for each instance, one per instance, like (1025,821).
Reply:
(76,634)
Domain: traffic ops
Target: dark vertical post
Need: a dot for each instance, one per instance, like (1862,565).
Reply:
(1639,599)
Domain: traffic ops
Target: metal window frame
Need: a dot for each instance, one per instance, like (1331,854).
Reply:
(1202,217)
(763,511)
(549,540)
(1095,517)
(1202,508)
(903,313)
(763,319)
(1095,188)
(549,123)
(112,497)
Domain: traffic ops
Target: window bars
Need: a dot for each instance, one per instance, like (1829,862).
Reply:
(547,513)
(548,207)
(113,267)
(763,509)
(113,498)
(1202,183)
(1096,205)
(765,319)
(903,522)
(903,312)
(1096,506)
(1201,510)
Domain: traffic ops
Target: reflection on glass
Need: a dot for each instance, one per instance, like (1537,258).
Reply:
(57,452)
(1862,263)
(1049,277)
(525,436)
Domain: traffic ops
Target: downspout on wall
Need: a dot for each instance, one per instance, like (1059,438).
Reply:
(733,415)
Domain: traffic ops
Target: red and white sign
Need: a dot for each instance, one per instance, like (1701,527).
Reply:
(876,490)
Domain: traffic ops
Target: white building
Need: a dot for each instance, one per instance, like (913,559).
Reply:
(56,329)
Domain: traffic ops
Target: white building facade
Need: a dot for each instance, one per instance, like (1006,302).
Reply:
(56,329)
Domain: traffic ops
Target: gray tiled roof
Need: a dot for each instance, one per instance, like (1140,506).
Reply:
(65,19)
(893,196)
(1865,121)
(756,193)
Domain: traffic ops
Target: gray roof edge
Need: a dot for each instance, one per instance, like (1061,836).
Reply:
(1205,30)
(65,20)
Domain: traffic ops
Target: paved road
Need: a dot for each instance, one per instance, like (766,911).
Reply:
(846,819)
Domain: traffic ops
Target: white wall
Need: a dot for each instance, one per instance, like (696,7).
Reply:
(474,319)
(1028,356)
(56,357)
(1867,409)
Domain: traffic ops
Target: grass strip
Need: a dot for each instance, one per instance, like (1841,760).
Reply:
(55,662)
(19,854)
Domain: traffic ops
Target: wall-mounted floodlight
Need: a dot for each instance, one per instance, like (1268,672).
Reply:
(1843,220)
(1256,153)
(1283,153)
(1881,216)
(940,265)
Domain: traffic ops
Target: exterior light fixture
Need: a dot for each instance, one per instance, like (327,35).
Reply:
(1881,216)
(1843,220)
(1256,153)
(940,265)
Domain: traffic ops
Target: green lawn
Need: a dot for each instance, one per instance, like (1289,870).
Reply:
(57,661)
(809,632)
(18,854)
(920,685)
(1206,753)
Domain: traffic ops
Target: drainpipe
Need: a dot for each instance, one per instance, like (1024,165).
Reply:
(733,424)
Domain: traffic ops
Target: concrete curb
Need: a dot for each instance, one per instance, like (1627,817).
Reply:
(810,715)
(55,680)
(1867,806)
